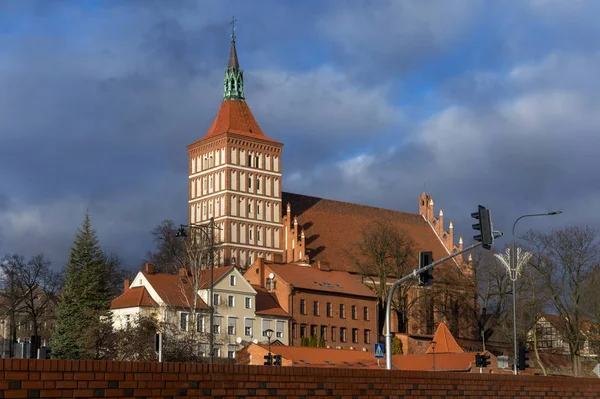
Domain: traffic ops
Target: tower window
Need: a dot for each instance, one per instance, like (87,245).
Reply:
(249,182)
(249,208)
(258,235)
(257,183)
(249,160)
(256,161)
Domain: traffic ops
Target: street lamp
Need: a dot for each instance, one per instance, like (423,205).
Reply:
(211,259)
(433,353)
(269,334)
(513,277)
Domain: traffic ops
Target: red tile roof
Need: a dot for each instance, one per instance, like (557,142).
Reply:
(311,278)
(266,303)
(444,341)
(332,228)
(178,291)
(219,272)
(443,361)
(133,297)
(235,117)
(345,358)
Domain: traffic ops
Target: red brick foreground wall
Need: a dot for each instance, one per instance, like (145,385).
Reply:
(21,378)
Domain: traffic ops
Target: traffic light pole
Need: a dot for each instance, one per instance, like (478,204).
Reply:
(415,273)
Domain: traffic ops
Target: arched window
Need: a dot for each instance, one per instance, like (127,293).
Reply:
(249,182)
(257,183)
(249,160)
(257,161)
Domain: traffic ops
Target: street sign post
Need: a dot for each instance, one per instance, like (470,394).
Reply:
(379,351)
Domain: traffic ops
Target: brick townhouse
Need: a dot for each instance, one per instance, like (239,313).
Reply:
(322,303)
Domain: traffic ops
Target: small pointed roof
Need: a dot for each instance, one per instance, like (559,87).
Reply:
(444,341)
(235,116)
(233,58)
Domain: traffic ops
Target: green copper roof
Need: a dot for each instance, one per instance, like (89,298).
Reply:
(233,83)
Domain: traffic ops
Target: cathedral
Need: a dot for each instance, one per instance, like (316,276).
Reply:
(235,178)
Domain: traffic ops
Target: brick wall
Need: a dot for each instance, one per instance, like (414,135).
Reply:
(22,378)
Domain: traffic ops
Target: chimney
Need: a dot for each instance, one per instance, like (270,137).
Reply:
(149,268)
(323,265)
(126,284)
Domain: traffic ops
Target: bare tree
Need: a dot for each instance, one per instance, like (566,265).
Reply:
(170,253)
(591,309)
(567,260)
(32,284)
(386,252)
(188,336)
(135,341)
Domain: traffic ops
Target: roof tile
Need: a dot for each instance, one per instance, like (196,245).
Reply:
(133,297)
(311,278)
(266,303)
(333,228)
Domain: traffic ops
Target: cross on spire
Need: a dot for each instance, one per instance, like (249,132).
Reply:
(232,23)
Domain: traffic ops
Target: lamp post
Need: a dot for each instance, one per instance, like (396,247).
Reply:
(269,334)
(433,353)
(211,260)
(513,277)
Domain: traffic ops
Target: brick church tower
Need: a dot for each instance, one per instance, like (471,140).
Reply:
(235,177)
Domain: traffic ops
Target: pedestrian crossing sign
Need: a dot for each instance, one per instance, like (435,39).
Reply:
(379,351)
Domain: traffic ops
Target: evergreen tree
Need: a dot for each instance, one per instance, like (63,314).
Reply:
(83,308)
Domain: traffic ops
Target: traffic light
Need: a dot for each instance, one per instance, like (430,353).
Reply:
(523,358)
(277,360)
(425,278)
(485,360)
(268,359)
(485,226)
(482,360)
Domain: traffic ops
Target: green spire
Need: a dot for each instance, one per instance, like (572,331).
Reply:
(233,85)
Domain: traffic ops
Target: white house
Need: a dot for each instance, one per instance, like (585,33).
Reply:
(241,312)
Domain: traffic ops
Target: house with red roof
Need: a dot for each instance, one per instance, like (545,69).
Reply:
(330,305)
(241,312)
(446,355)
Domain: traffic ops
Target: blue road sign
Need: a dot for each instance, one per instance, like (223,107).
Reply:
(379,351)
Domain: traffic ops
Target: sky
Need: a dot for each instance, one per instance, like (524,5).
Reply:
(476,102)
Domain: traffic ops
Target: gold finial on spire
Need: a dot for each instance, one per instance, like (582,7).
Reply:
(232,23)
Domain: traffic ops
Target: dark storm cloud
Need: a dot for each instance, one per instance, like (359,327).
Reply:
(95,114)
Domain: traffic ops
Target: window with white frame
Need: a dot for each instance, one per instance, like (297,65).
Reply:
(231,325)
(218,350)
(183,321)
(232,280)
(266,325)
(248,324)
(279,329)
(231,301)
(231,351)
(248,302)
(200,326)
(217,325)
